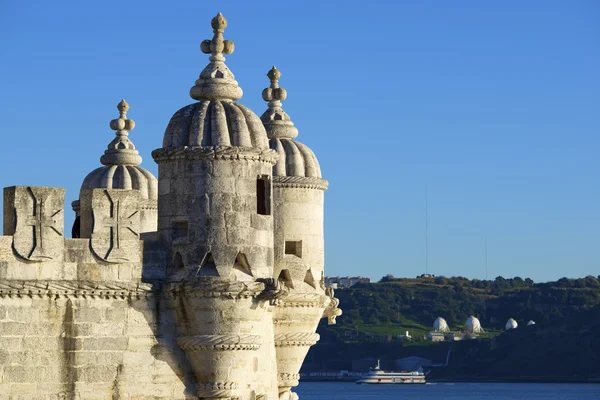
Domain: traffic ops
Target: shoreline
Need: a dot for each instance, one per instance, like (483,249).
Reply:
(472,380)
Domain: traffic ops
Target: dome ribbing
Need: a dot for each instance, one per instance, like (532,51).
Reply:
(216,120)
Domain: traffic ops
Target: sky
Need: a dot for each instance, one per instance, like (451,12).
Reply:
(479,120)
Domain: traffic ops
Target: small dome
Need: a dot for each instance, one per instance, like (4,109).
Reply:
(123,177)
(472,325)
(510,324)
(215,123)
(121,161)
(216,120)
(295,158)
(440,325)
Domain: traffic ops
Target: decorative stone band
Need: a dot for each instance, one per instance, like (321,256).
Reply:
(215,153)
(300,182)
(75,289)
(296,339)
(204,288)
(301,300)
(216,389)
(287,380)
(219,342)
(144,205)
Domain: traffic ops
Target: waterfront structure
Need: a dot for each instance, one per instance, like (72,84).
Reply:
(510,324)
(472,325)
(345,281)
(206,283)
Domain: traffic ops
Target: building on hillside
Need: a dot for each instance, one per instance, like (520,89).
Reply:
(440,325)
(345,281)
(436,336)
(207,282)
(510,324)
(472,325)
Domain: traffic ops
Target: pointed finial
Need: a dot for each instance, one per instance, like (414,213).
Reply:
(216,81)
(277,123)
(217,45)
(121,150)
(274,94)
(274,74)
(122,123)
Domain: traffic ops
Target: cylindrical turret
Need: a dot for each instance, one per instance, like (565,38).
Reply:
(215,216)
(298,193)
(214,201)
(298,241)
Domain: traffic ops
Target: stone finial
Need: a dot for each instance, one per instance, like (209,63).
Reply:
(121,150)
(276,121)
(216,81)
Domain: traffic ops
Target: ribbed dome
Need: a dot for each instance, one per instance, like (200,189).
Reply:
(121,161)
(215,123)
(295,159)
(123,177)
(216,120)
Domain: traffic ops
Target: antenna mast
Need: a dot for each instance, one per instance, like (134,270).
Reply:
(486,260)
(426,231)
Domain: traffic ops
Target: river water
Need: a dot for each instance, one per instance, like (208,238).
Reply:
(448,391)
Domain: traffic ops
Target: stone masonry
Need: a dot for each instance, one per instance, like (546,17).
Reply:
(206,283)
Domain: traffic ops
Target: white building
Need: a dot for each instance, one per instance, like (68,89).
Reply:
(472,325)
(511,324)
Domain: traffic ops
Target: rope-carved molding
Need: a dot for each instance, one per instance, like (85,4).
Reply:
(305,300)
(285,379)
(216,153)
(216,389)
(75,289)
(215,289)
(296,339)
(219,342)
(300,182)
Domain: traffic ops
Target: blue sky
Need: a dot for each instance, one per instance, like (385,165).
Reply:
(492,107)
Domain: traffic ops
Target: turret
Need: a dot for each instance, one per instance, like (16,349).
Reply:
(121,170)
(214,172)
(215,215)
(298,191)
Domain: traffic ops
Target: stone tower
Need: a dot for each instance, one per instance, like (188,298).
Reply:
(215,214)
(298,196)
(206,284)
(121,170)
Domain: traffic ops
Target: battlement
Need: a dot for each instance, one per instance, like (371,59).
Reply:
(110,248)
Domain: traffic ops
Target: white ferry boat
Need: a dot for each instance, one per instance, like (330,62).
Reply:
(377,375)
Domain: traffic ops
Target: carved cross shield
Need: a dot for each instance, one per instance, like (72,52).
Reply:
(39,222)
(116,216)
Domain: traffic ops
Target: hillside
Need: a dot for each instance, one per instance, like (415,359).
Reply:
(393,306)
(563,345)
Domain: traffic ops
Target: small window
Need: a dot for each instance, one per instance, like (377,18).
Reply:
(263,195)
(179,229)
(293,248)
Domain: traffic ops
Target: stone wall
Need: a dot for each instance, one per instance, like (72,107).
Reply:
(87,341)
